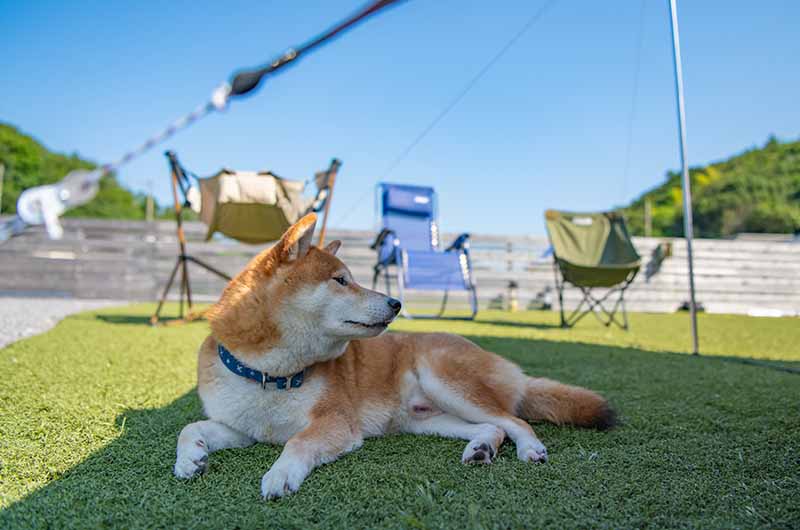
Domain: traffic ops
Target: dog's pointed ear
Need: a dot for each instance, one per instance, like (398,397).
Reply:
(333,247)
(297,240)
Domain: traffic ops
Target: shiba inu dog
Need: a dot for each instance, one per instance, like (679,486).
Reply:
(297,356)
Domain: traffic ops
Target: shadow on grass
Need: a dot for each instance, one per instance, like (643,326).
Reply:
(124,319)
(115,486)
(144,320)
(129,483)
(512,324)
(792,367)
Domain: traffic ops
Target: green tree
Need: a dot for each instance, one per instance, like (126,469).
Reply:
(755,191)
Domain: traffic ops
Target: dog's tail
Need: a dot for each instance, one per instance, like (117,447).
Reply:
(548,400)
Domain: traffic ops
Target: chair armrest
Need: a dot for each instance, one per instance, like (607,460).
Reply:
(378,243)
(461,243)
(319,200)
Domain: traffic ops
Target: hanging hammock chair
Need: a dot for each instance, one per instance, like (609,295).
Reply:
(248,206)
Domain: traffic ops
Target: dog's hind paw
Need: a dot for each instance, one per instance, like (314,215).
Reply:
(478,452)
(533,451)
(483,448)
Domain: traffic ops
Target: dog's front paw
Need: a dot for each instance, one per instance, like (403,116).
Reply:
(283,478)
(192,459)
(532,451)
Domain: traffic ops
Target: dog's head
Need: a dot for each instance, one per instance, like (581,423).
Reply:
(299,298)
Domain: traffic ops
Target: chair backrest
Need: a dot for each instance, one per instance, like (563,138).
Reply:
(410,211)
(591,239)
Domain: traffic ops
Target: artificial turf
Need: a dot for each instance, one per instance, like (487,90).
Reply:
(90,412)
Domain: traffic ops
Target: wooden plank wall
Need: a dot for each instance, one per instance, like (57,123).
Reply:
(131,260)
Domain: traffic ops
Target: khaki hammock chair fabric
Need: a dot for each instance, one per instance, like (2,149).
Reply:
(252,207)
(592,250)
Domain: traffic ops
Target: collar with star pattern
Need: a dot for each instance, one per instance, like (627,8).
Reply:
(263,378)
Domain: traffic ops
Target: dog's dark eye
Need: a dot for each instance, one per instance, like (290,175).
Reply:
(340,280)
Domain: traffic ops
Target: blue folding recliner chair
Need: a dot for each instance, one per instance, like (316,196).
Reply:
(409,241)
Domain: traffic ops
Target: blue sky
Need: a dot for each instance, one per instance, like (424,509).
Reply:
(547,127)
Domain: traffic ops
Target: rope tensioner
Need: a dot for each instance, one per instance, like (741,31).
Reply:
(44,204)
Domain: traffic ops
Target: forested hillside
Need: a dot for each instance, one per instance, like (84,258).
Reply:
(755,191)
(28,163)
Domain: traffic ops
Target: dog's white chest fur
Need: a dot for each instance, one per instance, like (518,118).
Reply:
(265,414)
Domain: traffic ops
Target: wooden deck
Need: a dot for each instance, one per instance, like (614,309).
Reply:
(131,260)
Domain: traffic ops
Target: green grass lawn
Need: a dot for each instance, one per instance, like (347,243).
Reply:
(90,413)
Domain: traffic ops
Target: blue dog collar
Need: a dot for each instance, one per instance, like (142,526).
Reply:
(263,378)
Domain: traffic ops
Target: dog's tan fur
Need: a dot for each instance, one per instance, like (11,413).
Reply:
(285,312)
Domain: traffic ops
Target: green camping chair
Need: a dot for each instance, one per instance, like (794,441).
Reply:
(592,251)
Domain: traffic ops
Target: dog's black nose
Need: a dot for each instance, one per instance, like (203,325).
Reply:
(395,305)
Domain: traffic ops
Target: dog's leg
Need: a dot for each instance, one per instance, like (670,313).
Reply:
(197,440)
(484,439)
(323,441)
(529,448)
